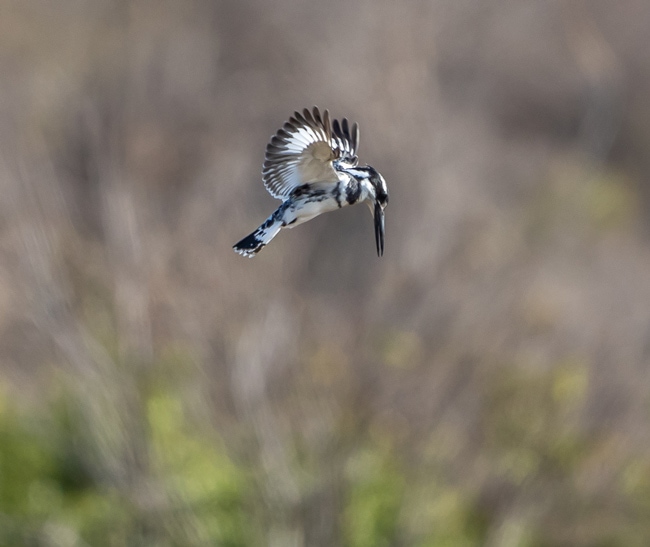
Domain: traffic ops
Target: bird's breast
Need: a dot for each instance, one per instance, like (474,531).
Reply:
(306,207)
(352,191)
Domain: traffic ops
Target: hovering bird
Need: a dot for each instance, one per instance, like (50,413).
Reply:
(311,165)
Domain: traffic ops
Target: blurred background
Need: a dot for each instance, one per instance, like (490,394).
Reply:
(485,383)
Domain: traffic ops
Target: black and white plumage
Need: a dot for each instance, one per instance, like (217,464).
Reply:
(311,165)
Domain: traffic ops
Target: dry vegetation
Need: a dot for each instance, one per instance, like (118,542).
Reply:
(485,383)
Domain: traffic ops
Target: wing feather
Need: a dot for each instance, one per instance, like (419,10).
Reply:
(304,150)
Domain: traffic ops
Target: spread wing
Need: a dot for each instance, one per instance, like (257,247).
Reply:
(305,149)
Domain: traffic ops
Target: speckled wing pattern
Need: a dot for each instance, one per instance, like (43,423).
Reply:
(305,150)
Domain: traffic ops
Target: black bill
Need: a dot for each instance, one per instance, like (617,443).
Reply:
(379,229)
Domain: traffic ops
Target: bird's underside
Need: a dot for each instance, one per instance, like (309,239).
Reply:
(311,165)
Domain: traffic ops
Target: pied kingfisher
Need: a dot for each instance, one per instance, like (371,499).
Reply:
(311,164)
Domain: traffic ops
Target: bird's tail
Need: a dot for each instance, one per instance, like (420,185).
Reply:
(253,243)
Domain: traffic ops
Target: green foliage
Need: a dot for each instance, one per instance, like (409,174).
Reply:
(536,447)
(45,491)
(375,496)
(51,492)
(530,420)
(188,491)
(389,504)
(436,514)
(199,475)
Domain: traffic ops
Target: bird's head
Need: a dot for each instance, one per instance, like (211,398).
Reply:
(377,199)
(381,189)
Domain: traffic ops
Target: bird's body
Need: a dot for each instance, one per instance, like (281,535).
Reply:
(312,166)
